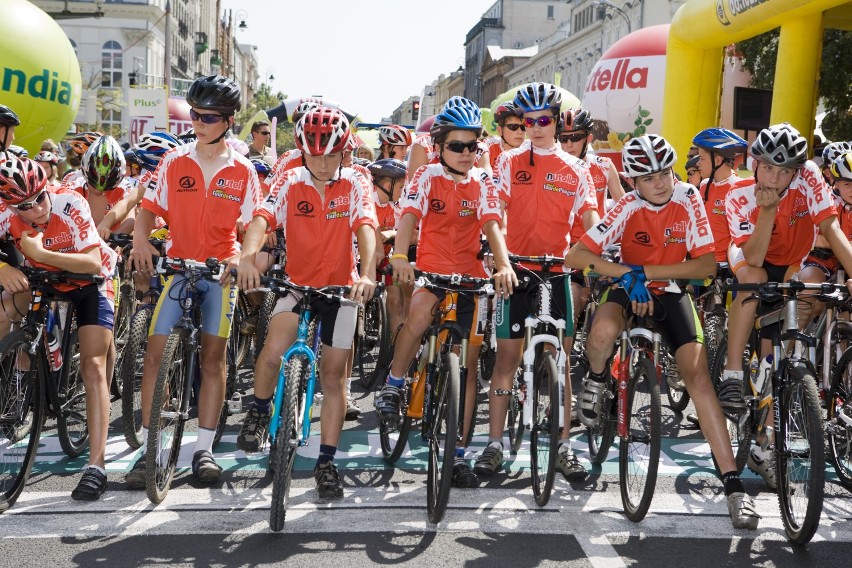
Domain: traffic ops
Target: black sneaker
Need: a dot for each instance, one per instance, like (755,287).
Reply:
(490,460)
(253,432)
(135,478)
(388,401)
(91,486)
(463,476)
(328,481)
(205,468)
(731,395)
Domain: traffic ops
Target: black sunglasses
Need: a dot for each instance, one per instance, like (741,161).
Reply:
(575,137)
(264,133)
(541,121)
(207,118)
(515,126)
(459,147)
(27,205)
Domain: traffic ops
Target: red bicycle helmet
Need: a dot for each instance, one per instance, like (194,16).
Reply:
(20,179)
(322,131)
(395,135)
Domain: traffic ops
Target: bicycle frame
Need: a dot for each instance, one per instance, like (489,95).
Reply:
(628,354)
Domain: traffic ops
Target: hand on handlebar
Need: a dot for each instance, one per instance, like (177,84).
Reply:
(13,280)
(141,257)
(634,284)
(403,272)
(362,290)
(505,281)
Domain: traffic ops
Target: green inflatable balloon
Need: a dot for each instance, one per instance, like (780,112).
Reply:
(39,74)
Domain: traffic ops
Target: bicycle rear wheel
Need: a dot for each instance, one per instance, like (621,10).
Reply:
(544,434)
(264,312)
(740,427)
(602,434)
(165,428)
(373,346)
(839,411)
(441,436)
(676,391)
(125,306)
(639,451)
(71,425)
(238,342)
(515,415)
(21,415)
(132,363)
(800,458)
(286,442)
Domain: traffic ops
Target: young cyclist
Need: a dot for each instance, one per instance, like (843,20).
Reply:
(49,162)
(55,231)
(204,191)
(449,244)
(545,191)
(395,142)
(662,228)
(320,206)
(292,158)
(8,122)
(693,174)
(77,147)
(830,153)
(511,133)
(772,223)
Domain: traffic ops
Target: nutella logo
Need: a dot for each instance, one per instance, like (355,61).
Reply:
(702,223)
(81,222)
(622,76)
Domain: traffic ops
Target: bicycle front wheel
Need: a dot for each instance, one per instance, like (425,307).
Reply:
(602,434)
(21,415)
(373,346)
(283,455)
(839,411)
(544,434)
(639,451)
(165,428)
(441,436)
(71,425)
(800,458)
(739,427)
(125,306)
(132,362)
(515,415)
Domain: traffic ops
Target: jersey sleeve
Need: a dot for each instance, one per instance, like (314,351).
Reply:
(274,206)
(5,218)
(156,194)
(820,204)
(610,229)
(362,208)
(699,236)
(85,234)
(489,202)
(586,199)
(252,197)
(416,199)
(503,175)
(738,206)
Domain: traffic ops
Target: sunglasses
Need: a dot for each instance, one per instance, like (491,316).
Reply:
(691,173)
(515,126)
(264,133)
(27,205)
(575,137)
(207,118)
(541,121)
(459,147)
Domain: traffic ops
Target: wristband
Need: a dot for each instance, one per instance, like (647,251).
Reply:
(398,255)
(5,264)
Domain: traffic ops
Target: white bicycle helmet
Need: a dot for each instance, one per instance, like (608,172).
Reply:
(841,167)
(780,145)
(647,155)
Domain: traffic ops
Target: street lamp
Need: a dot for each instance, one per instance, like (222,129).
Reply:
(241,18)
(270,74)
(605,5)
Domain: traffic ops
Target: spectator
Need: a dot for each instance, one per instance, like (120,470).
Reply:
(261,134)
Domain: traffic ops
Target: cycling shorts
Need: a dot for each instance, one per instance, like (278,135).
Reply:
(510,312)
(469,309)
(216,303)
(824,260)
(337,321)
(93,304)
(674,317)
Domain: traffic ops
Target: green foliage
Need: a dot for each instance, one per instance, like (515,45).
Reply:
(761,53)
(265,99)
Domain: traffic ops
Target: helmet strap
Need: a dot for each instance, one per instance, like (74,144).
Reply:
(449,168)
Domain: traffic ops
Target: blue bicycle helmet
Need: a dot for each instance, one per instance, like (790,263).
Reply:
(388,167)
(462,114)
(533,97)
(720,141)
(261,167)
(152,146)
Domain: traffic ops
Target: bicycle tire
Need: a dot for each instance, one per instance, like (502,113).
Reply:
(393,436)
(678,397)
(71,426)
(515,415)
(21,415)
(544,434)
(165,428)
(132,364)
(840,434)
(800,463)
(444,424)
(287,441)
(602,435)
(715,328)
(739,428)
(264,313)
(238,342)
(639,451)
(124,312)
(369,347)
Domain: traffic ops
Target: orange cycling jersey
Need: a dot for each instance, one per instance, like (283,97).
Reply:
(542,200)
(655,234)
(387,215)
(714,202)
(599,167)
(805,204)
(451,216)
(318,228)
(287,161)
(111,197)
(425,142)
(495,148)
(70,229)
(844,216)
(202,218)
(71,175)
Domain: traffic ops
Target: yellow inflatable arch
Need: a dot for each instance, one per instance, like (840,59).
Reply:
(702,28)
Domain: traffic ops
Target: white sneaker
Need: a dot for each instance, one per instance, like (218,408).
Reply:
(763,463)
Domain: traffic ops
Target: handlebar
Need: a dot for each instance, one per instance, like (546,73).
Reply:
(211,268)
(44,276)
(453,282)
(771,290)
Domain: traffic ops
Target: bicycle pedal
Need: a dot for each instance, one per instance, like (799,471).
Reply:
(235,403)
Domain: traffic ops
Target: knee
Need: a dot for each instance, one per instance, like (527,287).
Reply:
(93,369)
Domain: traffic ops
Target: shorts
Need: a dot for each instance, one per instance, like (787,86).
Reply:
(337,321)
(216,302)
(824,260)
(93,304)
(674,317)
(465,305)
(510,312)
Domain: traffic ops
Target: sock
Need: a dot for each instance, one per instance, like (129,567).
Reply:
(348,387)
(459,455)
(263,405)
(97,467)
(732,483)
(326,454)
(144,439)
(395,381)
(496,442)
(564,446)
(205,440)
(727,374)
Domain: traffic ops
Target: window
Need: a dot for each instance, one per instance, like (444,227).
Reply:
(550,12)
(111,64)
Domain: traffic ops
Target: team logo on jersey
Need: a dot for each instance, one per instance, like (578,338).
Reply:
(642,238)
(236,184)
(305,208)
(76,216)
(437,205)
(59,239)
(225,195)
(337,214)
(675,234)
(523,176)
(186,183)
(338,201)
(744,225)
(564,178)
(557,189)
(602,228)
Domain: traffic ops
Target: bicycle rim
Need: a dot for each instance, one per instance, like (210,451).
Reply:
(639,452)
(125,308)
(602,434)
(800,459)
(165,428)
(286,443)
(544,434)
(132,363)
(442,435)
(71,424)
(21,416)
(515,416)
(393,435)
(370,344)
(839,433)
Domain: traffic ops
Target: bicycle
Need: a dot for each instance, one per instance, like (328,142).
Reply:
(290,422)
(29,388)
(125,306)
(179,368)
(372,342)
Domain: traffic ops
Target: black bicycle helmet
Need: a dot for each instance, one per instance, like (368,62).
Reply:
(215,93)
(388,167)
(8,117)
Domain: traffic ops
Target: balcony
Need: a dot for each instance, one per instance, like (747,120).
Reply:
(200,43)
(183,29)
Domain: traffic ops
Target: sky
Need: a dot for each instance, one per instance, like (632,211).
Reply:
(367,55)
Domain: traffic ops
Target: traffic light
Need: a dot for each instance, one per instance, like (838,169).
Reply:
(415,108)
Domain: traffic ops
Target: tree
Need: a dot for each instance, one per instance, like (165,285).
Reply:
(760,53)
(265,99)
